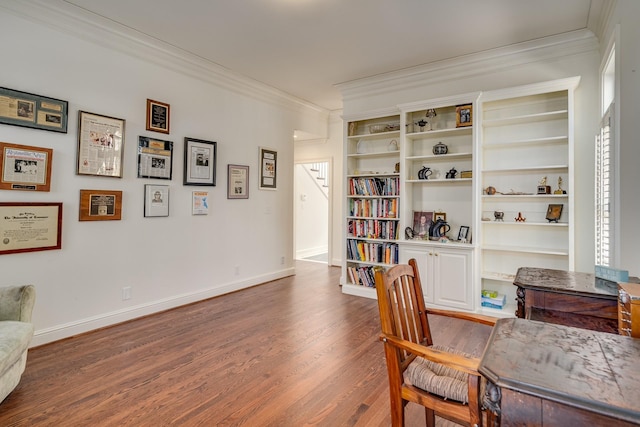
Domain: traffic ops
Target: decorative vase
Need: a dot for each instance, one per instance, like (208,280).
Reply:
(440,148)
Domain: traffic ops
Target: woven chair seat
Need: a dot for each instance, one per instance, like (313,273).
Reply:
(438,379)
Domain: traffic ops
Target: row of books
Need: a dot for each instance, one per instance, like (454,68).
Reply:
(387,186)
(380,208)
(493,299)
(363,276)
(383,252)
(373,229)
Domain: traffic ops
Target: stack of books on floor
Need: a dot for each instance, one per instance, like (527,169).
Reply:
(492,299)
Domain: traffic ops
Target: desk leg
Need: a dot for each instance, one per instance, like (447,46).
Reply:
(520,295)
(492,396)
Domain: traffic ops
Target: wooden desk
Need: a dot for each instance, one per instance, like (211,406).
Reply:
(543,374)
(566,298)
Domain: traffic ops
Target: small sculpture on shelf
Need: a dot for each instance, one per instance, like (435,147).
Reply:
(543,188)
(440,149)
(520,218)
(422,123)
(425,172)
(498,215)
(431,116)
(560,190)
(452,173)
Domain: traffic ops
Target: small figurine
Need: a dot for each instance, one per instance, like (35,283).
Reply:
(520,218)
(452,173)
(543,181)
(498,215)
(559,190)
(543,188)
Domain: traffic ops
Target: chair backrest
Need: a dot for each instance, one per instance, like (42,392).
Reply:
(401,305)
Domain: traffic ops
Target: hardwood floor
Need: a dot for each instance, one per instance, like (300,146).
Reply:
(292,352)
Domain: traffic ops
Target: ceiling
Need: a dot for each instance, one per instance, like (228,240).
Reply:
(306,47)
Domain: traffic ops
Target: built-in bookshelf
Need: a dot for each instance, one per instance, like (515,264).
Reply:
(372,205)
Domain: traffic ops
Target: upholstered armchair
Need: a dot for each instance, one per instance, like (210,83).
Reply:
(16,331)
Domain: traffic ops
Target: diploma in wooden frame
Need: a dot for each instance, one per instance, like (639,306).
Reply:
(29,227)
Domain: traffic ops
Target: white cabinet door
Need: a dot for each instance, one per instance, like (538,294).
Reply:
(452,278)
(445,274)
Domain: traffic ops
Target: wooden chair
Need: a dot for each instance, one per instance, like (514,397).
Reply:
(445,381)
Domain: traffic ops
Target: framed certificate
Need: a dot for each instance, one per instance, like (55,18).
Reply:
(100,205)
(100,145)
(237,182)
(24,167)
(28,227)
(158,116)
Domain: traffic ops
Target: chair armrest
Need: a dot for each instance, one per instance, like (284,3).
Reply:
(16,303)
(472,317)
(455,361)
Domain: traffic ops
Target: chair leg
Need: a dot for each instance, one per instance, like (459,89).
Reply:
(397,411)
(430,417)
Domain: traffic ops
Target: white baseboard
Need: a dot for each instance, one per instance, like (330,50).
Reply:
(304,253)
(58,332)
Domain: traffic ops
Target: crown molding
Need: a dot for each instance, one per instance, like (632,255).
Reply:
(77,22)
(481,63)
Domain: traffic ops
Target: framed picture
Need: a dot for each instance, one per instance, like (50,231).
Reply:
(463,234)
(268,169)
(29,227)
(100,205)
(464,115)
(200,204)
(24,167)
(199,162)
(155,158)
(554,212)
(237,182)
(100,145)
(33,111)
(158,116)
(421,223)
(439,215)
(156,200)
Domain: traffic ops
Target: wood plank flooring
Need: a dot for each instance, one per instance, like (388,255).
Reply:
(292,352)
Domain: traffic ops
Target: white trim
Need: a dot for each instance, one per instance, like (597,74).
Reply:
(66,330)
(481,63)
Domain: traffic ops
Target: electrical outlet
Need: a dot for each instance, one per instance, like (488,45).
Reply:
(126,293)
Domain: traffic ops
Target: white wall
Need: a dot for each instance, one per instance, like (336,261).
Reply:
(569,55)
(167,261)
(626,15)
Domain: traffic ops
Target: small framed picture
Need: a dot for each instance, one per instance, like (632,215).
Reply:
(237,182)
(199,162)
(554,212)
(439,215)
(156,200)
(463,234)
(100,205)
(464,115)
(155,158)
(200,205)
(25,168)
(158,116)
(421,223)
(268,169)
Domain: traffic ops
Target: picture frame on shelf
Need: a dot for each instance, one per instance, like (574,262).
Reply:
(268,169)
(156,200)
(158,116)
(34,111)
(554,212)
(100,145)
(422,221)
(38,225)
(200,157)
(463,234)
(439,216)
(155,158)
(25,168)
(464,115)
(237,182)
(100,205)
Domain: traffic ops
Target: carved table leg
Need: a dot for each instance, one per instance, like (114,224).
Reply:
(520,293)
(492,397)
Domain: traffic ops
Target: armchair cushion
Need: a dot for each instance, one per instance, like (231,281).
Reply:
(14,341)
(439,379)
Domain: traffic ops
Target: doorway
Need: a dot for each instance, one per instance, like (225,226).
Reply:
(312,210)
